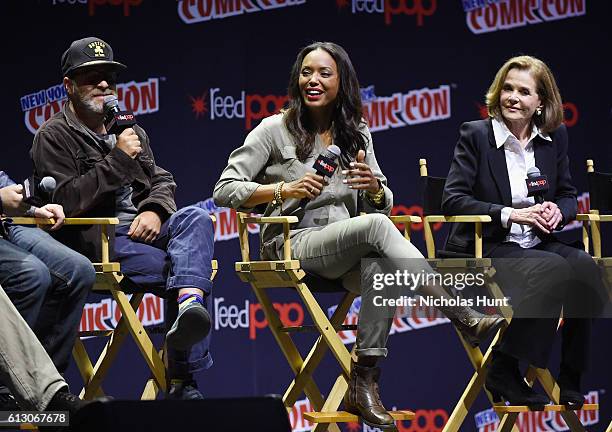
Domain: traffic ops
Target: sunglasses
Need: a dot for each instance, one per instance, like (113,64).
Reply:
(95,76)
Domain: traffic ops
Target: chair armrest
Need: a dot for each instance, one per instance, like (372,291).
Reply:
(244,220)
(587,217)
(594,219)
(261,220)
(67,221)
(478,220)
(461,218)
(405,219)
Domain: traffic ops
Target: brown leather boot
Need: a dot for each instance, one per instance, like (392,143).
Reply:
(473,325)
(362,398)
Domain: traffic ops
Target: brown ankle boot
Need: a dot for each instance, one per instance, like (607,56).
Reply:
(473,325)
(362,398)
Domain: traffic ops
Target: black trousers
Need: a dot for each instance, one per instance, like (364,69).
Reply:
(552,277)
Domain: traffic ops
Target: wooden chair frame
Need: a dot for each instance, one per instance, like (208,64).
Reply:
(108,278)
(591,222)
(480,361)
(288,273)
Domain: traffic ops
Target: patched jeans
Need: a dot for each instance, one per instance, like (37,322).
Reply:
(180,257)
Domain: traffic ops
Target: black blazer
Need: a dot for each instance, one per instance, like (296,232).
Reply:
(478,183)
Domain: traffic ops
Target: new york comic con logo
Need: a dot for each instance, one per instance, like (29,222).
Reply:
(485,16)
(138,97)
(391,8)
(195,11)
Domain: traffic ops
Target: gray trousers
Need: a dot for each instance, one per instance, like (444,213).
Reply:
(25,367)
(335,252)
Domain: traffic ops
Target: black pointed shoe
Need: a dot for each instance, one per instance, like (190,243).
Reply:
(505,383)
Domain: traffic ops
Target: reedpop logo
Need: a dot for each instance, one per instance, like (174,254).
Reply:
(250,107)
(93,4)
(391,8)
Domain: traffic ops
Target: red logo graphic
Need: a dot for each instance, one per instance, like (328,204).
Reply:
(198,105)
(414,210)
(424,420)
(391,8)
(127,4)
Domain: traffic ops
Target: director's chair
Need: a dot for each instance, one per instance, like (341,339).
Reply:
(287,273)
(600,210)
(108,281)
(432,189)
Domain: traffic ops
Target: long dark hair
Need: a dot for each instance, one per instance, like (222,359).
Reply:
(347,114)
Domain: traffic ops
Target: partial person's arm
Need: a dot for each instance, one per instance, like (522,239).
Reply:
(161,197)
(370,160)
(78,192)
(237,188)
(458,197)
(565,193)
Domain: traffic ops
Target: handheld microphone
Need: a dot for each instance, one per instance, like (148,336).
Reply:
(35,192)
(537,184)
(116,121)
(325,165)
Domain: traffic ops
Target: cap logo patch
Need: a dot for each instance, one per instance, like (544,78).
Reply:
(98,48)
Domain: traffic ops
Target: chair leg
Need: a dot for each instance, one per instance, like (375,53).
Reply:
(317,352)
(508,422)
(288,348)
(151,388)
(83,362)
(552,390)
(333,401)
(325,328)
(141,338)
(106,359)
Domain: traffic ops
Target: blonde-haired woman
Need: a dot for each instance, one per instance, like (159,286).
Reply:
(488,176)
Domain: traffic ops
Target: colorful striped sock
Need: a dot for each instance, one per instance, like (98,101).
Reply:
(187,299)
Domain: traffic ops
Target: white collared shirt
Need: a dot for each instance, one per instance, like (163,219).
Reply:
(518,161)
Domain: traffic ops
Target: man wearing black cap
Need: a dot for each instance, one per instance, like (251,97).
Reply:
(160,249)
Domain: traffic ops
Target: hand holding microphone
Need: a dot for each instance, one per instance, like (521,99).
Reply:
(308,187)
(121,124)
(311,185)
(129,142)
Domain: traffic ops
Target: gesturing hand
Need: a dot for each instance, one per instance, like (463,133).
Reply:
(145,227)
(360,175)
(308,186)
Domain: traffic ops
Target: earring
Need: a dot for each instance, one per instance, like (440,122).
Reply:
(539,111)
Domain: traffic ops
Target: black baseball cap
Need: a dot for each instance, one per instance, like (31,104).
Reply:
(89,51)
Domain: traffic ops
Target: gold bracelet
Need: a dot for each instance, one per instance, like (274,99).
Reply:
(278,197)
(377,198)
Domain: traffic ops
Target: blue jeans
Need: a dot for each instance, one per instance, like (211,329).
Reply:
(48,283)
(180,257)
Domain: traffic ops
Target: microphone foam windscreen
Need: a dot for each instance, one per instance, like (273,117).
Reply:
(110,101)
